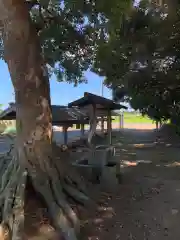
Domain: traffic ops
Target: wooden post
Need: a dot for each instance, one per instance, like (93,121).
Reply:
(121,120)
(156,125)
(78,126)
(102,124)
(95,171)
(65,134)
(92,123)
(109,127)
(82,129)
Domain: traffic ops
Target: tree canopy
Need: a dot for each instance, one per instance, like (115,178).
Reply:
(143,60)
(70,32)
(65,35)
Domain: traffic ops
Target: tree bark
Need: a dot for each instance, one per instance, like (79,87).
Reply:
(22,52)
(30,80)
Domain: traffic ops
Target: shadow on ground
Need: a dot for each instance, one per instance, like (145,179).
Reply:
(146,204)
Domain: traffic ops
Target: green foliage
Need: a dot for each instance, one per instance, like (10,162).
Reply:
(71,31)
(144,61)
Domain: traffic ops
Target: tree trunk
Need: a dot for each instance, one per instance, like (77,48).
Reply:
(31,83)
(34,130)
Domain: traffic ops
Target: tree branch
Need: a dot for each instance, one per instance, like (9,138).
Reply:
(31,4)
(59,19)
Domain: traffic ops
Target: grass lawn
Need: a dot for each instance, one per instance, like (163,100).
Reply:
(134,118)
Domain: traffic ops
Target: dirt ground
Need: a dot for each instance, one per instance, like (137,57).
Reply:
(116,125)
(135,125)
(146,205)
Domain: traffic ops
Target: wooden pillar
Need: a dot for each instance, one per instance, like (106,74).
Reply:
(78,126)
(82,129)
(65,134)
(121,120)
(157,125)
(109,127)
(93,123)
(102,124)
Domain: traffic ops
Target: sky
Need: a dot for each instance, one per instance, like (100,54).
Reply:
(61,93)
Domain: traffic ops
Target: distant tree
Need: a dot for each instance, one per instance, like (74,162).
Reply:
(141,62)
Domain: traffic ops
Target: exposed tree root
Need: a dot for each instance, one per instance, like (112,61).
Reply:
(57,185)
